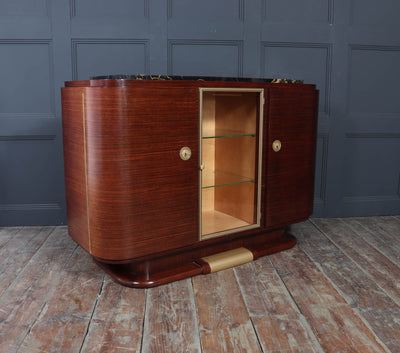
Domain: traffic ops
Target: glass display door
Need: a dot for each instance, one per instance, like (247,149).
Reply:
(231,160)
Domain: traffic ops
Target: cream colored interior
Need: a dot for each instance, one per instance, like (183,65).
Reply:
(229,158)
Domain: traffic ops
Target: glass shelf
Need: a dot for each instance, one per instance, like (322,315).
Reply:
(215,178)
(221,133)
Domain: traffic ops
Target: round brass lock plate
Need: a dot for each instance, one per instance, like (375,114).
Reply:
(276,145)
(185,153)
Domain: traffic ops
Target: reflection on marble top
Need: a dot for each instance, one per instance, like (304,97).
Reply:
(195,78)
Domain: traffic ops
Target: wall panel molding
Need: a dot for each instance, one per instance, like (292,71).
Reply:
(28,126)
(27,116)
(372,135)
(371,199)
(374,47)
(320,193)
(27,137)
(30,207)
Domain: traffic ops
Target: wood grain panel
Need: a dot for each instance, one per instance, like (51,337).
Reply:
(142,197)
(290,172)
(75,165)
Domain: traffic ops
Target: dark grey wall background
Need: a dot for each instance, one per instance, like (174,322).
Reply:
(349,48)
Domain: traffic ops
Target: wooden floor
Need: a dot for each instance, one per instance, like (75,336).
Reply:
(338,290)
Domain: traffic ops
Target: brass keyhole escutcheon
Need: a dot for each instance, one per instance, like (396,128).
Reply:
(276,145)
(185,153)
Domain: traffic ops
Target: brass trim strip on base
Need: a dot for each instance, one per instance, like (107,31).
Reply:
(228,259)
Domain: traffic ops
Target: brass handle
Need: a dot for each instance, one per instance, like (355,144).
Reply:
(185,153)
(276,145)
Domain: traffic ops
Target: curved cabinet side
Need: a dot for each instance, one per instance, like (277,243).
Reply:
(73,122)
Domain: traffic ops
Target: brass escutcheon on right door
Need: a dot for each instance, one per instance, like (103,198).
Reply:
(276,145)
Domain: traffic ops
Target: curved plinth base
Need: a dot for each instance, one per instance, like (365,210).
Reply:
(152,272)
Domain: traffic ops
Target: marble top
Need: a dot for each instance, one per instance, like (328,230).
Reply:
(195,78)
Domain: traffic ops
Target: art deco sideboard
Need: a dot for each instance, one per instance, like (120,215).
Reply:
(172,177)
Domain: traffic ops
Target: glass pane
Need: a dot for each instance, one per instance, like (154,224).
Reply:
(216,178)
(219,133)
(229,176)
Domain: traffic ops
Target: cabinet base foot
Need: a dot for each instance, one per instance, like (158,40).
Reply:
(152,272)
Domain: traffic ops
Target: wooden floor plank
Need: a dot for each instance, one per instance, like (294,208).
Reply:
(7,233)
(337,326)
(381,232)
(337,291)
(279,324)
(117,322)
(23,300)
(385,273)
(361,291)
(17,252)
(65,317)
(170,322)
(224,322)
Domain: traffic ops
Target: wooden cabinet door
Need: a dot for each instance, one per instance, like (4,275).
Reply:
(292,120)
(142,197)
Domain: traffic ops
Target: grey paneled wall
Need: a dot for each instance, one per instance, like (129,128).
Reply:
(31,189)
(349,48)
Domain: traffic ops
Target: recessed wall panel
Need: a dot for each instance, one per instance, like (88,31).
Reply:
(374,80)
(109,9)
(289,11)
(369,169)
(375,12)
(208,58)
(28,171)
(94,58)
(35,8)
(223,10)
(25,85)
(308,62)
